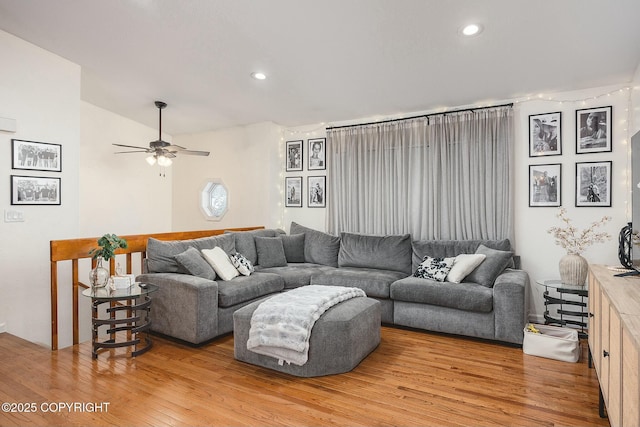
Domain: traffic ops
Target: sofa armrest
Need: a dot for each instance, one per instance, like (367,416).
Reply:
(511,305)
(185,306)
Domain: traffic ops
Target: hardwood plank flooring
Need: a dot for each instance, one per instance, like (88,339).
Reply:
(413,378)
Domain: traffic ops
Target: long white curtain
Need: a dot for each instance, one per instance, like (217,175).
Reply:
(438,177)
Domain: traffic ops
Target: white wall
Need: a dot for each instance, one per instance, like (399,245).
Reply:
(635,102)
(120,193)
(41,92)
(247,160)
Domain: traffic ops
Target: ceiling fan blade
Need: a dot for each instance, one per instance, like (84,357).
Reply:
(174,147)
(194,152)
(131,146)
(135,151)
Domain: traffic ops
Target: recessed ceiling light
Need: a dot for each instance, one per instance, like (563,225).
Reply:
(258,75)
(471,29)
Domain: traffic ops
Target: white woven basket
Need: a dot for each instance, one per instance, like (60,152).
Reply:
(553,342)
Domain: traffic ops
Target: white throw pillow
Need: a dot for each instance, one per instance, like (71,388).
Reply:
(220,262)
(463,265)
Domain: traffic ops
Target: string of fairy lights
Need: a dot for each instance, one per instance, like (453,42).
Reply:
(627,122)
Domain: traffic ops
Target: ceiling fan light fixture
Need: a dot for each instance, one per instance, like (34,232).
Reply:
(164,161)
(151,160)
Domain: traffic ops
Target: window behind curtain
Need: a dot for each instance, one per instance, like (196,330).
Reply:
(439,177)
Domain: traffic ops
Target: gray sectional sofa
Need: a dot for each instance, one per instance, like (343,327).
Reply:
(193,306)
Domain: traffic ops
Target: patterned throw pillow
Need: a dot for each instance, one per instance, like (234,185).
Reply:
(434,268)
(242,264)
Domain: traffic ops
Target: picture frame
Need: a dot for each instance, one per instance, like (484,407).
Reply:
(294,155)
(545,185)
(316,186)
(593,130)
(317,154)
(36,156)
(35,190)
(545,134)
(293,192)
(593,183)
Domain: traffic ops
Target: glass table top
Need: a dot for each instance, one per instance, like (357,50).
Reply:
(134,291)
(557,284)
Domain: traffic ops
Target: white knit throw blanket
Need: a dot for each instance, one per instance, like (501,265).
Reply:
(281,326)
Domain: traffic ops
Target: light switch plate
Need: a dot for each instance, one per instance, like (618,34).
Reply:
(11,215)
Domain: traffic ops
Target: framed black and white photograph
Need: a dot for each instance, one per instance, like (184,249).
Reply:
(293,195)
(36,156)
(593,130)
(545,134)
(316,186)
(294,156)
(593,184)
(31,190)
(544,185)
(317,154)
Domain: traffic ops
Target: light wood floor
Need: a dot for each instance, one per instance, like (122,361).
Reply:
(412,379)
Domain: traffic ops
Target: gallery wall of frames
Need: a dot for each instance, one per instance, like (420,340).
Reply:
(592,176)
(312,156)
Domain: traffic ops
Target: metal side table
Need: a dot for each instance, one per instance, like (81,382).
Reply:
(570,311)
(135,302)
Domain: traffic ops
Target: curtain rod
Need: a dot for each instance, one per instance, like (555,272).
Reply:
(421,116)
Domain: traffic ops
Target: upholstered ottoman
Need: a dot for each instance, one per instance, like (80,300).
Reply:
(340,339)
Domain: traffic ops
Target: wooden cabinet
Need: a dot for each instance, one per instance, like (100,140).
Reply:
(614,332)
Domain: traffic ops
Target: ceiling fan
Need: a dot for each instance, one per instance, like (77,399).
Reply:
(161,151)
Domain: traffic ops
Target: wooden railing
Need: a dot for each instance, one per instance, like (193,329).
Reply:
(76,249)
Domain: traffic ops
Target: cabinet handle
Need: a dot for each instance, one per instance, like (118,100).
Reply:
(590,314)
(605,353)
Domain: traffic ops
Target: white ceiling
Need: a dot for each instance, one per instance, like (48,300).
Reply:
(327,60)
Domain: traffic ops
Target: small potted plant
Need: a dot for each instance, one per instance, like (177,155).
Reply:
(108,244)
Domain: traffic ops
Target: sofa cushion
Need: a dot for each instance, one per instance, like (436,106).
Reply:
(461,296)
(463,265)
(270,252)
(452,248)
(246,288)
(493,265)
(434,268)
(242,264)
(382,252)
(293,247)
(245,243)
(374,282)
(220,262)
(161,254)
(194,263)
(297,274)
(319,247)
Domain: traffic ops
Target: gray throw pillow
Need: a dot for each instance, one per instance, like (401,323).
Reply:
(161,253)
(319,247)
(493,265)
(293,247)
(194,264)
(270,252)
(245,243)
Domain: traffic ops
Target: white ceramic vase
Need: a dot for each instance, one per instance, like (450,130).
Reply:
(573,270)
